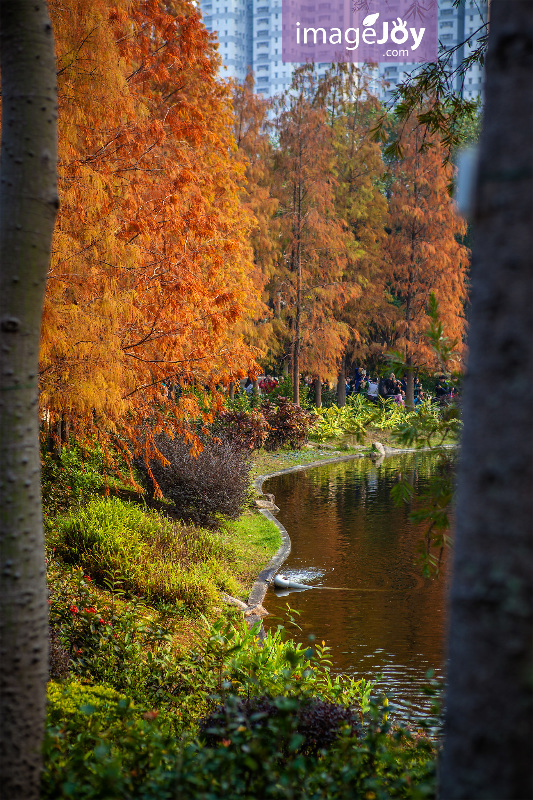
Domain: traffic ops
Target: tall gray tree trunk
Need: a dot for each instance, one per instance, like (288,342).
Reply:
(28,205)
(489,710)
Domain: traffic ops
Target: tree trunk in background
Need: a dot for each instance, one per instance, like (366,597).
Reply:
(231,391)
(28,205)
(296,375)
(410,386)
(489,713)
(255,393)
(318,393)
(298,309)
(341,384)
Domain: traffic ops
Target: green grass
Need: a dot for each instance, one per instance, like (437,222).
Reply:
(145,553)
(265,462)
(253,539)
(121,543)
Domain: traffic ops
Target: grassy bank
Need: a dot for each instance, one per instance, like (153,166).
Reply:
(159,691)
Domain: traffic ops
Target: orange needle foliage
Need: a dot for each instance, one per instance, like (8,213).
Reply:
(150,259)
(316,241)
(425,255)
(252,136)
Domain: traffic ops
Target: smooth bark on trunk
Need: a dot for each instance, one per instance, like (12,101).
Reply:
(489,713)
(231,391)
(28,205)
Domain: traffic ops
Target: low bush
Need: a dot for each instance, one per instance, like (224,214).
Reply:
(317,723)
(288,423)
(77,474)
(100,746)
(248,429)
(149,555)
(202,488)
(122,643)
(306,734)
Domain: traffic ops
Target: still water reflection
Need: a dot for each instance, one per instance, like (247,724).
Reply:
(346,532)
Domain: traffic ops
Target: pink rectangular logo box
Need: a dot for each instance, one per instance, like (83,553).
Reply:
(372,31)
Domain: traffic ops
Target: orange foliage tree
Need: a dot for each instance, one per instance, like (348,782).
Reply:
(425,255)
(150,264)
(252,131)
(315,242)
(361,203)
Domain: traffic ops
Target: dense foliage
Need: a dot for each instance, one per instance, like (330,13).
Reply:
(195,729)
(157,558)
(202,485)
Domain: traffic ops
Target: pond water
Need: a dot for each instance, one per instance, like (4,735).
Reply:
(346,532)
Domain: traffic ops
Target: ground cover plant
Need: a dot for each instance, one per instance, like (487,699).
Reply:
(252,539)
(146,553)
(247,721)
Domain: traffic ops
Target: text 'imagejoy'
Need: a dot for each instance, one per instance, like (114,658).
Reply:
(371,31)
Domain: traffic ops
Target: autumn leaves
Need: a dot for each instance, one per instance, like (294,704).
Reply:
(151,261)
(196,237)
(350,247)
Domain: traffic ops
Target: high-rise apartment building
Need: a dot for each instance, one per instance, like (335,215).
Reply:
(249,33)
(456,24)
(232,21)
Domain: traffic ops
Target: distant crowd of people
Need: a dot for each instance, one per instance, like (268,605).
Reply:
(387,387)
(393,388)
(265,384)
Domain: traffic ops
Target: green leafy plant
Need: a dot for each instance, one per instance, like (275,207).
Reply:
(98,744)
(285,727)
(149,554)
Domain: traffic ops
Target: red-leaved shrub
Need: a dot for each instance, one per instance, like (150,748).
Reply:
(202,488)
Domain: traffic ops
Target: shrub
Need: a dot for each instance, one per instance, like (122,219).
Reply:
(317,723)
(125,645)
(248,429)
(78,474)
(99,745)
(301,741)
(146,553)
(202,488)
(289,424)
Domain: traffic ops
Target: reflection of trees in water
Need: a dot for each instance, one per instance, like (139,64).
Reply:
(342,520)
